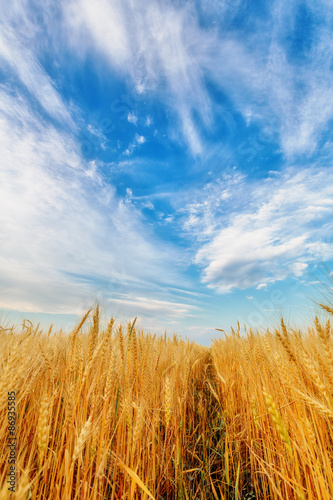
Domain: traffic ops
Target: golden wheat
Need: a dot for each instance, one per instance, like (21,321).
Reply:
(107,414)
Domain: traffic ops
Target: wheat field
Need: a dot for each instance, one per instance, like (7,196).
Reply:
(115,413)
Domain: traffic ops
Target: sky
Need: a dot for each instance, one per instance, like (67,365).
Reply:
(171,160)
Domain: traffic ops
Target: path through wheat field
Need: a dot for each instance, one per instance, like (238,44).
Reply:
(115,413)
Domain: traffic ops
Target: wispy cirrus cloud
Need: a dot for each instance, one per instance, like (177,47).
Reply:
(23,61)
(165,51)
(156,306)
(170,78)
(61,221)
(279,76)
(156,47)
(283,227)
(273,76)
(67,237)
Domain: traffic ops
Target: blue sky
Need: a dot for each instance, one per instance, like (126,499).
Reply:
(169,159)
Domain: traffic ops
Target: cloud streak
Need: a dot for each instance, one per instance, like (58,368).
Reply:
(156,47)
(282,228)
(26,66)
(166,52)
(148,305)
(59,219)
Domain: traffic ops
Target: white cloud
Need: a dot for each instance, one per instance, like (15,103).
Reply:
(98,134)
(65,235)
(63,231)
(148,204)
(255,71)
(277,233)
(164,51)
(291,99)
(132,118)
(28,69)
(261,286)
(147,304)
(140,139)
(156,47)
(202,215)
(298,268)
(106,21)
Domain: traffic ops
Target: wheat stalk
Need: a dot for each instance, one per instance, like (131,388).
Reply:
(82,439)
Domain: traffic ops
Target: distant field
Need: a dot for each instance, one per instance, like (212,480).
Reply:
(114,413)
